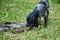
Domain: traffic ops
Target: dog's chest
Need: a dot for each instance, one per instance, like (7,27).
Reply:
(41,9)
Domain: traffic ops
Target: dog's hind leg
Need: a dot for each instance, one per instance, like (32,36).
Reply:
(36,23)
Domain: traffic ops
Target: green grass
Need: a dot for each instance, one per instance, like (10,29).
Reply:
(18,10)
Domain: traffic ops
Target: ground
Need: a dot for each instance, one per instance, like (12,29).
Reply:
(17,11)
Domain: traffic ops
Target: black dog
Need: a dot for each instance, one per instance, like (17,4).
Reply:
(40,10)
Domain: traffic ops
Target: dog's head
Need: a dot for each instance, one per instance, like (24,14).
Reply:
(44,0)
(45,3)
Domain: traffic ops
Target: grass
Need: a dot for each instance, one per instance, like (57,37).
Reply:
(17,11)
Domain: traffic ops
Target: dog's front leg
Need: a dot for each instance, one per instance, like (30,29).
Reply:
(45,21)
(47,13)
